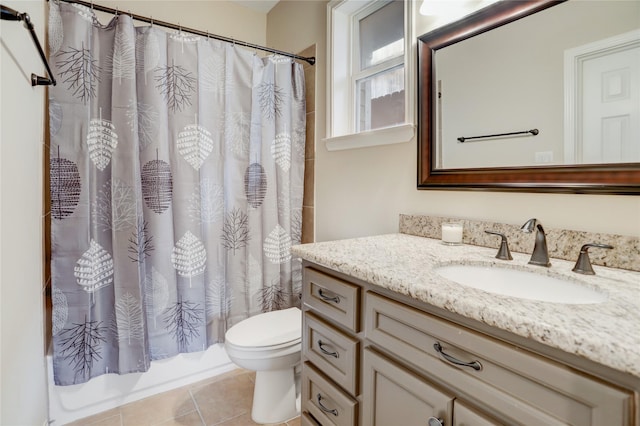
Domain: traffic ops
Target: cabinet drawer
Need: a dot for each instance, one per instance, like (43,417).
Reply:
(324,401)
(332,297)
(307,419)
(331,351)
(521,386)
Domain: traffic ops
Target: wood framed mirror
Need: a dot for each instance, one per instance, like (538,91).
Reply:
(619,176)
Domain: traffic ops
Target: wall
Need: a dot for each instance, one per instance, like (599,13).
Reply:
(362,192)
(23,390)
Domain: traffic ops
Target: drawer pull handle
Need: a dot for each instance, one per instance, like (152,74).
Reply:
(325,409)
(326,352)
(475,364)
(334,299)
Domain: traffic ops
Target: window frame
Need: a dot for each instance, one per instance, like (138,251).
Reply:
(342,58)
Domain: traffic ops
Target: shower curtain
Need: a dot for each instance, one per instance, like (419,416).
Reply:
(176,178)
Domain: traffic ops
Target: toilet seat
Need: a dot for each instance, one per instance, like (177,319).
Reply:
(271,330)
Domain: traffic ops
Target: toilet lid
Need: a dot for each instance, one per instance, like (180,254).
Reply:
(268,329)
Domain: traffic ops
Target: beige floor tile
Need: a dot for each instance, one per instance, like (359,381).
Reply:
(225,399)
(294,422)
(158,408)
(190,419)
(244,420)
(220,377)
(106,418)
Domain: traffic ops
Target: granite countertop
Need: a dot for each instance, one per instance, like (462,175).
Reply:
(607,333)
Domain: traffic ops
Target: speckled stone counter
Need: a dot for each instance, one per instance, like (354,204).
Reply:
(607,333)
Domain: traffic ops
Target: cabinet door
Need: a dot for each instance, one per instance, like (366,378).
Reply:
(464,415)
(394,396)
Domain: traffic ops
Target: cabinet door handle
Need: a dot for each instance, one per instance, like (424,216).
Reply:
(475,364)
(326,352)
(325,409)
(434,421)
(334,299)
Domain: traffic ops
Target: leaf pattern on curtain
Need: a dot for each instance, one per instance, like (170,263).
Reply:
(55,116)
(206,203)
(156,290)
(176,84)
(167,230)
(195,144)
(129,320)
(212,77)
(147,52)
(122,61)
(281,150)
(271,100)
(189,256)
(80,71)
(65,186)
(84,12)
(237,127)
(60,310)
(157,185)
(184,320)
(81,346)
(277,245)
(272,298)
(55,29)
(142,119)
(219,298)
(94,269)
(296,226)
(115,206)
(102,140)
(235,231)
(140,242)
(255,185)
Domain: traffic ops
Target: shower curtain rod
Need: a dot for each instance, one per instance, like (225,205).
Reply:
(311,60)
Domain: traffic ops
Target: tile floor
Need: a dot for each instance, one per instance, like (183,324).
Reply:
(223,400)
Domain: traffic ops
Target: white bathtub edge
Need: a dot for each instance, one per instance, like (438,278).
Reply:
(70,403)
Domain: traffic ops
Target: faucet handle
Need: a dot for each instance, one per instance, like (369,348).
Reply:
(583,264)
(503,251)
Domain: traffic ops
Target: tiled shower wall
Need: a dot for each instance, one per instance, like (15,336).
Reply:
(308,233)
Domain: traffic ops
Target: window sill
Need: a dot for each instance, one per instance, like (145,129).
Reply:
(386,136)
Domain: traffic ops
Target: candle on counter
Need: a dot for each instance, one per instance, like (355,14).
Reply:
(452,233)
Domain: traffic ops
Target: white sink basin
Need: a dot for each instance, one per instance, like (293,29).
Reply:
(521,284)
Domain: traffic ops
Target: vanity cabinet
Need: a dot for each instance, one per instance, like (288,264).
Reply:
(385,360)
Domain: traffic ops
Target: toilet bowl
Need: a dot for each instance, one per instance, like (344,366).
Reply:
(269,344)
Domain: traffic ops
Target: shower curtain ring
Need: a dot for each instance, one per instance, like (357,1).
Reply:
(116,11)
(151,21)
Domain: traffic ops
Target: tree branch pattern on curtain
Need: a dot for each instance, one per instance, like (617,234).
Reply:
(176,180)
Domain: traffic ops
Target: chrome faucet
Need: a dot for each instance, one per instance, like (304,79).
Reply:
(540,255)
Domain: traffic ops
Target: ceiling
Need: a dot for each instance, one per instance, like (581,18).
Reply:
(263,6)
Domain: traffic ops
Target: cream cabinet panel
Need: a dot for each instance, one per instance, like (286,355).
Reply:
(394,396)
(463,415)
(522,386)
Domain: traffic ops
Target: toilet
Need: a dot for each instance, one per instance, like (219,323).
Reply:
(269,344)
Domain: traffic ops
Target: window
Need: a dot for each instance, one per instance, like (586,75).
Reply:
(368,73)
(378,66)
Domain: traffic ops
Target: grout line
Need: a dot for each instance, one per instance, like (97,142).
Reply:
(195,404)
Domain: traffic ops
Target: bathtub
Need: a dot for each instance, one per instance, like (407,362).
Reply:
(69,403)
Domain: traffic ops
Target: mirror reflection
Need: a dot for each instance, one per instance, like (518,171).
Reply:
(570,72)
